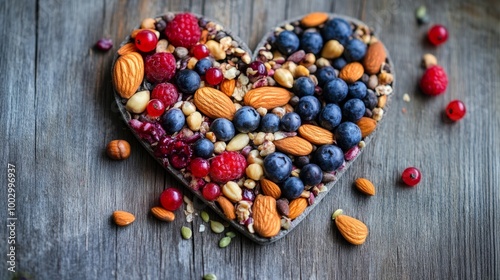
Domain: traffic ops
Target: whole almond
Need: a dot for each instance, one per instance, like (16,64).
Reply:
(374,57)
(367,126)
(267,97)
(227,86)
(163,214)
(123,218)
(128,73)
(227,207)
(295,146)
(351,72)
(315,134)
(127,48)
(314,19)
(353,230)
(297,206)
(267,222)
(270,188)
(365,186)
(214,103)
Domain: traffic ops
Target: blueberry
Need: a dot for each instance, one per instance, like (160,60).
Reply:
(370,99)
(336,29)
(357,90)
(287,42)
(335,91)
(172,121)
(303,86)
(270,123)
(347,135)
(353,110)
(188,81)
(325,74)
(202,65)
(355,50)
(311,174)
(301,161)
(203,148)
(328,157)
(311,42)
(292,188)
(277,167)
(246,119)
(339,63)
(330,116)
(308,108)
(290,122)
(223,129)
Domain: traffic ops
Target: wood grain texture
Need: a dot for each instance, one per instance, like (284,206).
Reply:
(58,114)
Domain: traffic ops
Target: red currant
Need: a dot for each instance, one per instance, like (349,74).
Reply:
(199,167)
(211,191)
(214,76)
(146,40)
(171,199)
(455,110)
(200,51)
(437,34)
(411,176)
(155,108)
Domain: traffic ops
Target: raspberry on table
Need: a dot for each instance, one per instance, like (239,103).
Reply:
(183,30)
(159,67)
(166,92)
(227,166)
(434,81)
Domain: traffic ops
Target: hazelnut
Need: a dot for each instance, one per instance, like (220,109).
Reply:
(118,149)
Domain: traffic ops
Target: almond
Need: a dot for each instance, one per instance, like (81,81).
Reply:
(163,214)
(295,146)
(315,134)
(227,207)
(297,206)
(267,222)
(227,86)
(351,72)
(365,186)
(374,57)
(270,188)
(123,218)
(127,48)
(353,230)
(267,97)
(314,19)
(214,103)
(367,126)
(128,73)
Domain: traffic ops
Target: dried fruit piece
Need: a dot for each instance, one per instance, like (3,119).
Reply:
(267,222)
(297,206)
(128,73)
(162,214)
(353,230)
(214,103)
(365,186)
(123,218)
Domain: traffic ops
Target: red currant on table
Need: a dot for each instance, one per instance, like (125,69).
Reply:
(155,108)
(411,176)
(211,191)
(200,51)
(146,40)
(437,34)
(199,167)
(171,199)
(214,76)
(455,110)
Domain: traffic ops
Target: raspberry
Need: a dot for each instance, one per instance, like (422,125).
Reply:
(227,166)
(166,92)
(183,30)
(159,67)
(434,81)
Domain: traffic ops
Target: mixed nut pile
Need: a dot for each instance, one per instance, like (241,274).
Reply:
(260,137)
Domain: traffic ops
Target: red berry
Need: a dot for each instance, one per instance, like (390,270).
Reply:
(455,110)
(211,191)
(155,108)
(411,176)
(199,167)
(200,51)
(214,76)
(227,166)
(146,40)
(183,30)
(171,199)
(104,44)
(159,67)
(166,92)
(437,34)
(434,81)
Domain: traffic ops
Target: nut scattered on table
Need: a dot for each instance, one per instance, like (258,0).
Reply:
(118,149)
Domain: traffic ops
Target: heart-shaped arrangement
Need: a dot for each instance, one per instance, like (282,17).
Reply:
(261,139)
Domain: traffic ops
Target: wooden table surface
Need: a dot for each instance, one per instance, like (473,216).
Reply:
(58,114)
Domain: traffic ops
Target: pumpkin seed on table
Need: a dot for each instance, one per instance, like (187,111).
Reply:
(186,232)
(216,226)
(224,242)
(204,216)
(231,234)
(210,276)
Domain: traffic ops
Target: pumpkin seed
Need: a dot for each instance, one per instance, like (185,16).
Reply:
(210,276)
(204,216)
(224,242)
(230,234)
(216,227)
(186,232)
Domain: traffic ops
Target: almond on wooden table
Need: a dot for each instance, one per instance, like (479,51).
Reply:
(353,230)
(365,186)
(123,218)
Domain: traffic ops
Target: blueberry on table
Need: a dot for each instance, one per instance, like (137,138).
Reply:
(311,42)
(223,129)
(270,123)
(311,174)
(303,86)
(277,167)
(355,50)
(290,122)
(335,91)
(246,119)
(325,74)
(172,121)
(347,135)
(292,188)
(330,116)
(353,110)
(308,108)
(337,29)
(287,42)
(203,148)
(188,81)
(328,157)
(357,90)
